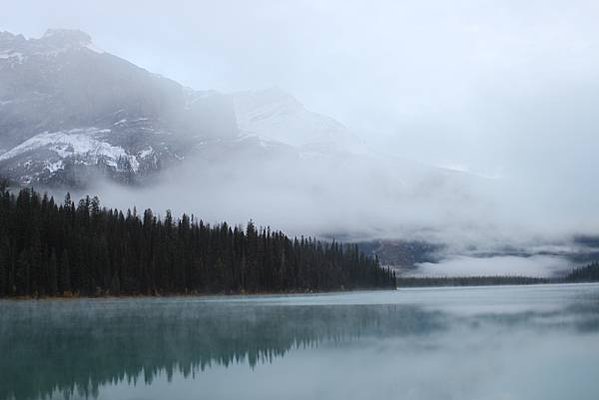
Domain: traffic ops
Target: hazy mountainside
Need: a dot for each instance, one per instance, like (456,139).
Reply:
(406,256)
(68,109)
(70,112)
(276,115)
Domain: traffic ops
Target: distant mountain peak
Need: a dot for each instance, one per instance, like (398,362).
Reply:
(68,36)
(9,41)
(67,39)
(274,114)
(5,35)
(53,42)
(274,97)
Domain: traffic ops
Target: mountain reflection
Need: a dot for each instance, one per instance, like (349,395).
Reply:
(71,348)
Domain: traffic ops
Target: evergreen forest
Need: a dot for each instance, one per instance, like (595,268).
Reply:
(67,249)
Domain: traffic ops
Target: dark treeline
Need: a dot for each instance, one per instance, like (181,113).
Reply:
(49,249)
(590,273)
(468,281)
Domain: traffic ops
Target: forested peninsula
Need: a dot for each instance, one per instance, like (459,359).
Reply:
(586,274)
(66,249)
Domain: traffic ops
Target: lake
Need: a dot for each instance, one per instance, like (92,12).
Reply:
(526,342)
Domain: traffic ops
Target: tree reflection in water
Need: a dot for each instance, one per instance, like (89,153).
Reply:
(74,347)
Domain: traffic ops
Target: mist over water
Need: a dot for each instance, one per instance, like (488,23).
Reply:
(470,343)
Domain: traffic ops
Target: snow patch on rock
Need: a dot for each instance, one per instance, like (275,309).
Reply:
(81,143)
(146,152)
(54,166)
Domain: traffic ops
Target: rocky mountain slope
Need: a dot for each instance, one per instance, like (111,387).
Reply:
(69,110)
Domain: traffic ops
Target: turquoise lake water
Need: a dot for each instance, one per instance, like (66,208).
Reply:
(526,342)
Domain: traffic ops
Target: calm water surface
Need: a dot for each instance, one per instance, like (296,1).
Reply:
(538,342)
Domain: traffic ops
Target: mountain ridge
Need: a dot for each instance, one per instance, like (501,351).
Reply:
(69,111)
(61,86)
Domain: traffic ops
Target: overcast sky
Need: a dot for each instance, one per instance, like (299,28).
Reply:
(506,89)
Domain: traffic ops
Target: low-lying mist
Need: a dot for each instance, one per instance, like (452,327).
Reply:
(362,197)
(504,93)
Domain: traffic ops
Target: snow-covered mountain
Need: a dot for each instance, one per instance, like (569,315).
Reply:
(68,110)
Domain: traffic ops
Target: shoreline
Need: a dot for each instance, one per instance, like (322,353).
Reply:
(279,294)
(193,295)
